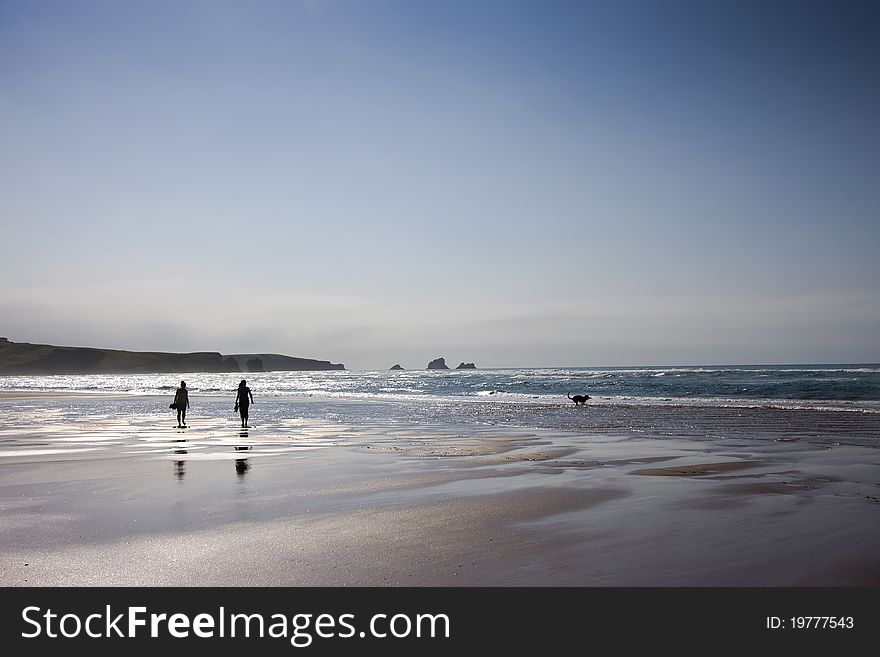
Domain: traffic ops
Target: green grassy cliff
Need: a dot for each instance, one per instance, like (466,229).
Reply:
(24,358)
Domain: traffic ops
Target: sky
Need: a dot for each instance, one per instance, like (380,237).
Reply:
(509,183)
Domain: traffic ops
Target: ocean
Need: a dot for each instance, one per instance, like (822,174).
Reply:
(676,476)
(827,404)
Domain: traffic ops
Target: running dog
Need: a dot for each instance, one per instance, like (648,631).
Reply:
(579,400)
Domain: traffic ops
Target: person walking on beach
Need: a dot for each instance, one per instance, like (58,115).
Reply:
(181,402)
(243,398)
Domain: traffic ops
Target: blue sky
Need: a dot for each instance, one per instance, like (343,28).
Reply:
(508,183)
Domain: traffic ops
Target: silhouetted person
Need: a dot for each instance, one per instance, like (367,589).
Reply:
(181,400)
(243,398)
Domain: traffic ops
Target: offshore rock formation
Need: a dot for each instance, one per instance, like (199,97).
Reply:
(396,367)
(466,366)
(25,358)
(438,364)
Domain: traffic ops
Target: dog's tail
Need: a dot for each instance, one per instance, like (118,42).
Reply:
(569,395)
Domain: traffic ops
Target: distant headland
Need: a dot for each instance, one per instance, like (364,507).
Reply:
(25,358)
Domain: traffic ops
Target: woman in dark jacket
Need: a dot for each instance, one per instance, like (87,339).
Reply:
(181,403)
(243,398)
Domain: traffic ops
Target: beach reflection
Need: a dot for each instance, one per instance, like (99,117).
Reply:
(242,465)
(179,466)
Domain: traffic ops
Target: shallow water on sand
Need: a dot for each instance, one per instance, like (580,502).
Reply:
(99,489)
(74,420)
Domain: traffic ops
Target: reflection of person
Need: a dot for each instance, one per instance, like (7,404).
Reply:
(181,401)
(179,465)
(242,465)
(243,398)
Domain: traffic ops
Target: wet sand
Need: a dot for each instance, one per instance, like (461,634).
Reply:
(129,500)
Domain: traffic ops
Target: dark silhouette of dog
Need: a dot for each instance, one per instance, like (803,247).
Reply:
(579,400)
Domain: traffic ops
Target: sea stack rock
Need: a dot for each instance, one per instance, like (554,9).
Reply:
(466,366)
(438,364)
(396,367)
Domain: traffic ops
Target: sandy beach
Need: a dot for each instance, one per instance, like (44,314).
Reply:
(128,500)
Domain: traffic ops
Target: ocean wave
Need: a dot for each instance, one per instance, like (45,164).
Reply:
(811,387)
